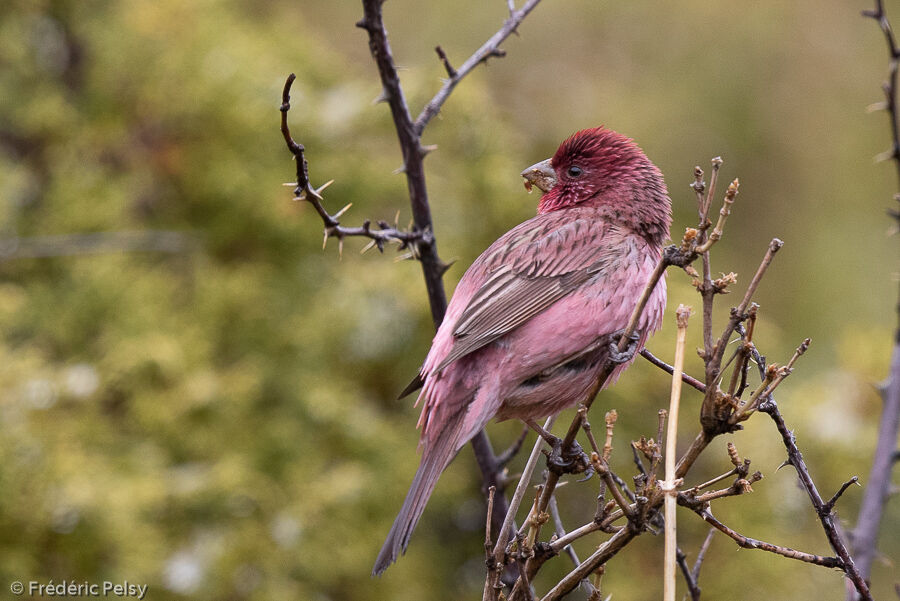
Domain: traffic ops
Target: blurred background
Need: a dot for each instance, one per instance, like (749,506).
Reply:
(196,397)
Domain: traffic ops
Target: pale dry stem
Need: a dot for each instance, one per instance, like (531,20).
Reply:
(683,313)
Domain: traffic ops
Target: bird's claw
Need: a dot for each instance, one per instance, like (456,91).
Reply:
(617,356)
(569,460)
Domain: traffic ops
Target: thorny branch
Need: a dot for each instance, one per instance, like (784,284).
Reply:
(303,190)
(875,495)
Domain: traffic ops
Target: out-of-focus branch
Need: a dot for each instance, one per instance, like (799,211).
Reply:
(890,86)
(865,535)
(96,243)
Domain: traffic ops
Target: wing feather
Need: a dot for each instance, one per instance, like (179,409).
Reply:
(529,271)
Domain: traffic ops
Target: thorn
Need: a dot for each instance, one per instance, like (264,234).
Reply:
(399,170)
(424,150)
(290,184)
(877,106)
(404,257)
(887,155)
(382,97)
(342,211)
(367,247)
(325,240)
(786,463)
(340,249)
(444,267)
(323,186)
(397,218)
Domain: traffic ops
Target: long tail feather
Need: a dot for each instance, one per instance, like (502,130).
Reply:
(435,458)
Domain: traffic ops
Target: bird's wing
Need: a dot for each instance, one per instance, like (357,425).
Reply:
(529,269)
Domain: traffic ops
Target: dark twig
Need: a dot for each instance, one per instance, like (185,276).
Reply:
(701,555)
(413,155)
(445,61)
(507,455)
(687,379)
(826,517)
(568,550)
(739,313)
(692,586)
(751,543)
(833,500)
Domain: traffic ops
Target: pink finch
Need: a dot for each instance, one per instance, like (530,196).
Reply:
(535,317)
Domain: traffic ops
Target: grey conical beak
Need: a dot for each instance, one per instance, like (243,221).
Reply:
(541,175)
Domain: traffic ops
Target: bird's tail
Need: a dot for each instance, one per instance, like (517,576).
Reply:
(435,457)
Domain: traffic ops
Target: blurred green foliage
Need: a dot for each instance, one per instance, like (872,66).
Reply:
(220,423)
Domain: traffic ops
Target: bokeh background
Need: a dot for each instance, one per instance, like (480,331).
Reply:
(216,418)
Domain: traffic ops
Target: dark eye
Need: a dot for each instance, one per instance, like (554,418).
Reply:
(574,171)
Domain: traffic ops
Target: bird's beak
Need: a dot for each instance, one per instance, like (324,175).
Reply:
(541,175)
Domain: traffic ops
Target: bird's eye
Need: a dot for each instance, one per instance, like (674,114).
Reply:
(574,171)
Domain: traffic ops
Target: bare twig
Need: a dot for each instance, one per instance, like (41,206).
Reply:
(751,543)
(568,550)
(513,449)
(738,314)
(693,587)
(487,527)
(521,488)
(723,216)
(890,86)
(833,500)
(489,49)
(826,517)
(445,61)
(687,379)
(701,555)
(603,554)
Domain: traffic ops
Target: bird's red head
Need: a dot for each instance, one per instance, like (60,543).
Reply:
(602,168)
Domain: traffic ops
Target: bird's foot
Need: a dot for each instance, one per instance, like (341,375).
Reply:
(569,460)
(617,356)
